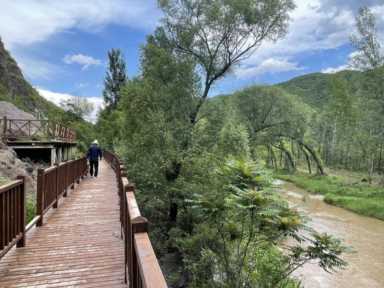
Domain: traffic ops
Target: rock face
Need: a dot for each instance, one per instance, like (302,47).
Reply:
(11,167)
(11,111)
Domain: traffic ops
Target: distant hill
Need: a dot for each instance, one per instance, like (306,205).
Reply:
(16,90)
(314,89)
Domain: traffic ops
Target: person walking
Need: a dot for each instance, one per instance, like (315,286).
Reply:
(93,155)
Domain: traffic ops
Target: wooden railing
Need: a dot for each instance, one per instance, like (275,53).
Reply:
(52,184)
(23,129)
(12,215)
(141,264)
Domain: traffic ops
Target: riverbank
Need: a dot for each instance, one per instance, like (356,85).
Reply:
(364,236)
(361,198)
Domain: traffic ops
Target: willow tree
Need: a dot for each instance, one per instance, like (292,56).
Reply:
(217,35)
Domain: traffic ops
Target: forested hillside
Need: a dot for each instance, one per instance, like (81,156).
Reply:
(315,89)
(330,113)
(344,124)
(16,90)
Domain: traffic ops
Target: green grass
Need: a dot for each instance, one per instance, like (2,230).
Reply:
(359,197)
(3,180)
(31,209)
(31,202)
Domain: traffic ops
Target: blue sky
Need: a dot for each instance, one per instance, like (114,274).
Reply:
(61,46)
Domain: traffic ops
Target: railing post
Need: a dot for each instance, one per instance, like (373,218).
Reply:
(65,179)
(29,128)
(22,215)
(57,185)
(40,196)
(5,126)
(77,171)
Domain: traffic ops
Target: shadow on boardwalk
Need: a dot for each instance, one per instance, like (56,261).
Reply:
(79,244)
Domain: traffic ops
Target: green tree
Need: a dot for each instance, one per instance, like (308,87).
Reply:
(220,34)
(78,106)
(370,58)
(366,41)
(115,79)
(237,241)
(216,35)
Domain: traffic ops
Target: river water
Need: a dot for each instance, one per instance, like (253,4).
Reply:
(365,235)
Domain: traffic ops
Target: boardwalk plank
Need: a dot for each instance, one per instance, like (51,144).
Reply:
(78,246)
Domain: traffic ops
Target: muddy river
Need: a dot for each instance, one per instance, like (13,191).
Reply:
(366,236)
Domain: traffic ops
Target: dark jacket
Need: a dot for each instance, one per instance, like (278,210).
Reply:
(94,153)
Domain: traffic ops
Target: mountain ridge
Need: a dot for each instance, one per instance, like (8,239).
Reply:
(15,89)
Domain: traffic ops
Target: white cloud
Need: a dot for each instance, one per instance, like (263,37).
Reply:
(311,29)
(316,25)
(25,22)
(333,70)
(84,60)
(348,66)
(57,98)
(270,65)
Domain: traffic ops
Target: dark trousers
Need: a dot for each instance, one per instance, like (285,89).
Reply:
(94,167)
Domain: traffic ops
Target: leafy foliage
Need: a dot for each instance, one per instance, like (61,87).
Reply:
(240,222)
(115,78)
(216,218)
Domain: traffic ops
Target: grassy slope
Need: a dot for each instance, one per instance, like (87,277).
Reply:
(314,89)
(360,198)
(3,180)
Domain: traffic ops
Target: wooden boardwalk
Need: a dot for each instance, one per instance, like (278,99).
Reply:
(79,244)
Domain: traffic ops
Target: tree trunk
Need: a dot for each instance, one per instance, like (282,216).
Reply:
(291,166)
(319,165)
(171,174)
(274,161)
(307,158)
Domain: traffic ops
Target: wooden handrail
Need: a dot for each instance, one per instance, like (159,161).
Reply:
(141,265)
(10,185)
(150,272)
(12,215)
(52,184)
(30,129)
(133,208)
